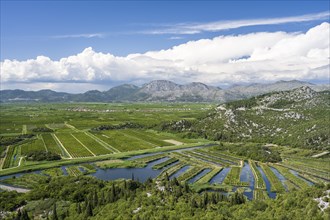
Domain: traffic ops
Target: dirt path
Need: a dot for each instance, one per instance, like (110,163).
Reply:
(43,141)
(171,141)
(321,154)
(13,188)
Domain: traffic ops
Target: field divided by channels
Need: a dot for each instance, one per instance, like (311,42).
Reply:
(123,142)
(91,144)
(151,158)
(305,169)
(209,158)
(317,164)
(74,148)
(74,171)
(233,177)
(227,158)
(190,173)
(276,184)
(209,175)
(259,181)
(171,170)
(299,182)
(260,194)
(51,144)
(165,163)
(145,136)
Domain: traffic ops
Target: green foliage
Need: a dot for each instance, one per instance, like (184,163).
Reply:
(42,129)
(5,141)
(42,155)
(117,127)
(128,199)
(10,200)
(253,151)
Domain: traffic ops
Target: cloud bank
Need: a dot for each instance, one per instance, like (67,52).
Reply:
(248,58)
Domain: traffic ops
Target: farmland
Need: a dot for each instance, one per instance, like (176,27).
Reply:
(93,137)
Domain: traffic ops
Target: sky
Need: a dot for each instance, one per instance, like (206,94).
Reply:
(75,46)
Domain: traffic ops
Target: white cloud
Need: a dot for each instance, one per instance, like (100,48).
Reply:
(93,35)
(196,28)
(255,57)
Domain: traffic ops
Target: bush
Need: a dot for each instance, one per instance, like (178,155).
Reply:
(42,155)
(42,130)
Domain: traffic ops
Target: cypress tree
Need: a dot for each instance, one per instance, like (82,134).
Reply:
(89,210)
(78,208)
(95,199)
(25,215)
(54,217)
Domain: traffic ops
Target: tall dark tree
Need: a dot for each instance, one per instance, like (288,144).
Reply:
(89,210)
(54,216)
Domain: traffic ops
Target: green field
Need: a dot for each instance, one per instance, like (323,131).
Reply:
(71,144)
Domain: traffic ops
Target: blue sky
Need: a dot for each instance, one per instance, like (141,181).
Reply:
(28,28)
(59,29)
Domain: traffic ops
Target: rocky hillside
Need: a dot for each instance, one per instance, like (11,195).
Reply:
(158,91)
(298,118)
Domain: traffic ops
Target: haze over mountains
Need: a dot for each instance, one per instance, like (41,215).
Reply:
(158,90)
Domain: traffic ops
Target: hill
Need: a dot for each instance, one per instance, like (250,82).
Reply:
(299,118)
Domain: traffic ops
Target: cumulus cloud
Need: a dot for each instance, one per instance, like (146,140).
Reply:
(255,57)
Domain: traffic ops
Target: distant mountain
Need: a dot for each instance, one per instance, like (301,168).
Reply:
(158,90)
(258,89)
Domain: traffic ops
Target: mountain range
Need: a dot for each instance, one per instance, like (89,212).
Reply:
(158,91)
